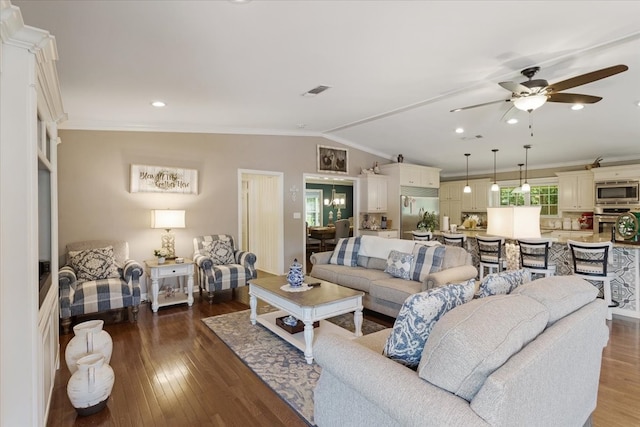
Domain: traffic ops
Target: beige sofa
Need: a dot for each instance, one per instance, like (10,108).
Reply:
(383,292)
(548,379)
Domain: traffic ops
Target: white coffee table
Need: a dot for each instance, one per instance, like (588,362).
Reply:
(316,304)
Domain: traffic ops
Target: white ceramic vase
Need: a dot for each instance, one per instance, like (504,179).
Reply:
(89,338)
(161,260)
(90,386)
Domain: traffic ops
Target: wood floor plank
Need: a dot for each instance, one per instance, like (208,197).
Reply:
(171,370)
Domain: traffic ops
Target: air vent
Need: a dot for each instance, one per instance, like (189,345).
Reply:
(316,90)
(471,138)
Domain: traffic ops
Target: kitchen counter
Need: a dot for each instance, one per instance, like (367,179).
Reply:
(625,260)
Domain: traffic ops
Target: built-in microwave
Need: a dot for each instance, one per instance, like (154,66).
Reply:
(617,192)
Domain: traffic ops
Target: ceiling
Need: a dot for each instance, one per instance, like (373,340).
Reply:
(395,68)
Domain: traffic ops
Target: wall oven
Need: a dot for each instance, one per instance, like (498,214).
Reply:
(617,193)
(604,219)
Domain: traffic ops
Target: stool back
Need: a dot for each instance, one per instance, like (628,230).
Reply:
(590,259)
(421,235)
(534,253)
(454,239)
(490,249)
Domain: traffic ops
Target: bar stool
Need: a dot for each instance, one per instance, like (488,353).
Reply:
(454,239)
(422,235)
(490,253)
(590,261)
(534,255)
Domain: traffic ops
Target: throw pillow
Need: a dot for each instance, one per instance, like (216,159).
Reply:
(426,260)
(399,264)
(416,319)
(220,252)
(94,264)
(469,343)
(346,252)
(503,283)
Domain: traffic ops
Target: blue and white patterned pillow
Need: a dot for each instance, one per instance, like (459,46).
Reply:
(220,251)
(426,260)
(399,264)
(94,264)
(416,319)
(502,283)
(346,252)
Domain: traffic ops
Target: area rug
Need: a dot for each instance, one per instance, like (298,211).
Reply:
(279,364)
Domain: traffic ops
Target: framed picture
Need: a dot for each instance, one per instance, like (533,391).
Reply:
(163,179)
(332,159)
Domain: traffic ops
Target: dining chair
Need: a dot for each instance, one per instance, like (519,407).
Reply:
(454,239)
(422,235)
(534,255)
(342,231)
(490,254)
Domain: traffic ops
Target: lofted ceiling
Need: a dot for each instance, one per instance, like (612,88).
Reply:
(395,70)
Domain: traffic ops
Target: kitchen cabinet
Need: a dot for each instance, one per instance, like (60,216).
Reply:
(387,234)
(478,199)
(451,201)
(373,193)
(575,191)
(451,190)
(413,175)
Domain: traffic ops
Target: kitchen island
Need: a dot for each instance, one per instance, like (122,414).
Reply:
(625,259)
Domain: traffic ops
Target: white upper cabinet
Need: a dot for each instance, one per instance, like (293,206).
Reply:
(374,193)
(413,175)
(575,190)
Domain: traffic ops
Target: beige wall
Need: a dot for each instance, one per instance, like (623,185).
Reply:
(95,202)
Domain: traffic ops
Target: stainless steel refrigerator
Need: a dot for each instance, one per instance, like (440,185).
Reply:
(414,202)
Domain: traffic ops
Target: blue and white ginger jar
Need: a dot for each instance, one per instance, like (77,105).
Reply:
(295,276)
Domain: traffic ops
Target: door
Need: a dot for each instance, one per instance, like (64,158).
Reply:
(261,228)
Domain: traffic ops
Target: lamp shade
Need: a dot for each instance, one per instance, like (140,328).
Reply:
(514,222)
(167,218)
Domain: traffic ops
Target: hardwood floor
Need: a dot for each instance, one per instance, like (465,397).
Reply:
(171,370)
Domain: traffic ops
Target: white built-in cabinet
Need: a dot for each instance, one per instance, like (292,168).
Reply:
(386,234)
(575,191)
(373,190)
(30,108)
(451,201)
(478,199)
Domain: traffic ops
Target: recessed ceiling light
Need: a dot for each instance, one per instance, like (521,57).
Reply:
(638,103)
(459,130)
(512,121)
(576,107)
(158,104)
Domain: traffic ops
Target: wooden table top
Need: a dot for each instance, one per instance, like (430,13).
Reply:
(327,292)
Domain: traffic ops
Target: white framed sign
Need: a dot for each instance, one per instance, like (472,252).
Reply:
(163,179)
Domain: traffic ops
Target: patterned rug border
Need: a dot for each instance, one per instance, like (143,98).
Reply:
(278,364)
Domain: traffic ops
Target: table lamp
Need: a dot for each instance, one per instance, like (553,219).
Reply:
(168,219)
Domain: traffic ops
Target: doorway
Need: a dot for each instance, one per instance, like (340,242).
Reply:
(260,211)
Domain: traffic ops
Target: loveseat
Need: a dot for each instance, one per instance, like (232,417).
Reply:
(383,292)
(530,358)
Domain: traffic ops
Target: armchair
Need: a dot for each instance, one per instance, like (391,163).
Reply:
(220,265)
(98,276)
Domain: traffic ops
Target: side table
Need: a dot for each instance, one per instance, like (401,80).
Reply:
(170,268)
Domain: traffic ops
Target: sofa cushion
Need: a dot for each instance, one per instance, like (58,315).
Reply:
(379,247)
(455,257)
(561,295)
(416,319)
(502,283)
(399,264)
(94,264)
(352,277)
(470,342)
(393,289)
(426,260)
(346,252)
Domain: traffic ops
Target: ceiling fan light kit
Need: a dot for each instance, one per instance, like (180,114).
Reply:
(467,188)
(530,103)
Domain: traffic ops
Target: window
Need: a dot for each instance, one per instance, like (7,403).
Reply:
(313,207)
(545,195)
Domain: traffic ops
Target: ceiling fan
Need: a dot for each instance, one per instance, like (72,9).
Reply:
(532,94)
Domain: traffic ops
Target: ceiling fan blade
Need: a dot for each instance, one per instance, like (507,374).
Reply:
(514,87)
(479,105)
(586,78)
(509,114)
(573,98)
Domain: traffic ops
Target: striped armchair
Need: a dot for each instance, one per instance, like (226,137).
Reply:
(98,276)
(221,265)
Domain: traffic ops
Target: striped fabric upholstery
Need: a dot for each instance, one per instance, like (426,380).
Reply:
(214,278)
(346,252)
(78,297)
(426,260)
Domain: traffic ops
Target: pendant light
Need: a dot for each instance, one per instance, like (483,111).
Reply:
(526,187)
(467,189)
(495,186)
(518,189)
